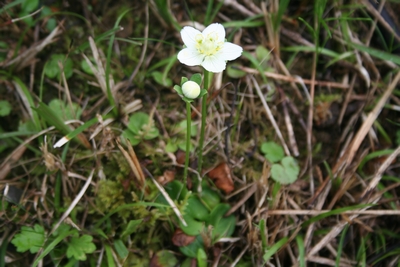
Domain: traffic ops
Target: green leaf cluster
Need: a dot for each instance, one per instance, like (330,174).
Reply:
(68,242)
(140,127)
(204,214)
(53,70)
(284,170)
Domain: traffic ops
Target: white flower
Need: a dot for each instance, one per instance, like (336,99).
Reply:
(207,48)
(191,89)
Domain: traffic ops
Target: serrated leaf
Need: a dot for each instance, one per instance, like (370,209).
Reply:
(80,246)
(286,172)
(272,151)
(31,239)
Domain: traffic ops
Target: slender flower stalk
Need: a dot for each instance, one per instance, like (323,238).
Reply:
(188,91)
(188,135)
(207,76)
(210,50)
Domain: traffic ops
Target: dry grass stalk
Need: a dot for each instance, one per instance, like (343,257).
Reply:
(26,57)
(74,202)
(280,77)
(270,116)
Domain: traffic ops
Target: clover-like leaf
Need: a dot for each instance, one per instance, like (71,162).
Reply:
(52,69)
(31,239)
(286,172)
(272,151)
(78,247)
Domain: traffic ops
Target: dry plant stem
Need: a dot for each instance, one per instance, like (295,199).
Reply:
(310,123)
(207,75)
(381,20)
(319,212)
(188,129)
(133,163)
(74,202)
(372,116)
(281,77)
(270,116)
(378,175)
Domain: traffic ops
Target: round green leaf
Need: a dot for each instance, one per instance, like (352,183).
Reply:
(196,209)
(286,172)
(272,151)
(193,227)
(5,108)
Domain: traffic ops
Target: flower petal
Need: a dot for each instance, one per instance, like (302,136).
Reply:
(214,63)
(188,35)
(216,28)
(230,51)
(190,57)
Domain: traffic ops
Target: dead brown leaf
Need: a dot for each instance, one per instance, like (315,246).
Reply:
(168,176)
(221,176)
(181,239)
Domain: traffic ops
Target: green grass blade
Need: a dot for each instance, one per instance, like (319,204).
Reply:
(334,212)
(283,4)
(52,245)
(340,246)
(109,256)
(278,245)
(46,113)
(28,100)
(377,53)
(302,251)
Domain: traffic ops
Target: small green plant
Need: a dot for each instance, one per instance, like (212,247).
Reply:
(188,91)
(30,238)
(204,214)
(284,170)
(5,108)
(53,70)
(210,50)
(140,127)
(75,246)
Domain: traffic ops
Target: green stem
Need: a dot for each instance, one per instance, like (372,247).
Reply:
(188,128)
(203,121)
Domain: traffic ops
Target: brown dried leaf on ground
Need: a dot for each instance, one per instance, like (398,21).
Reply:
(168,176)
(180,239)
(221,176)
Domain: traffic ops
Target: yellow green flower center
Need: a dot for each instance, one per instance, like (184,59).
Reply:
(208,45)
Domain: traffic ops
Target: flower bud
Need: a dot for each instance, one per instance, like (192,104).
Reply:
(191,89)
